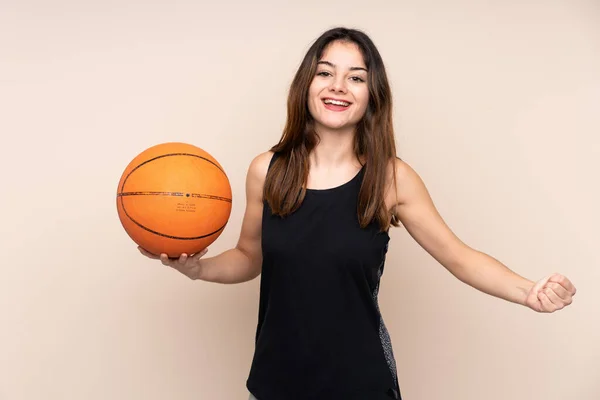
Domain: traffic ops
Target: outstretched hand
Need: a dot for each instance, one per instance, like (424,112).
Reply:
(550,294)
(188,265)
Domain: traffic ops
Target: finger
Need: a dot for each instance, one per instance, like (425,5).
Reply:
(165,259)
(201,254)
(564,282)
(540,284)
(183,258)
(558,290)
(147,253)
(547,305)
(554,298)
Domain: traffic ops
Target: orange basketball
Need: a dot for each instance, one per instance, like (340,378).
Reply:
(174,198)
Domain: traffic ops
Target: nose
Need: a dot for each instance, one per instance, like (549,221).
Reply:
(338,85)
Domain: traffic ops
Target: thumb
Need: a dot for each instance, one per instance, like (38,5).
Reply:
(533,301)
(540,284)
(201,254)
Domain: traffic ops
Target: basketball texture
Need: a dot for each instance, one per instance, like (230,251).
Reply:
(174,198)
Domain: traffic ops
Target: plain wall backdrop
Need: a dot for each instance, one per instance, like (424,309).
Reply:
(497,107)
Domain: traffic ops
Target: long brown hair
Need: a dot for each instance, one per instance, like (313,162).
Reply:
(285,185)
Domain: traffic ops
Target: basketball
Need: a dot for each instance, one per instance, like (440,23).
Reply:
(174,198)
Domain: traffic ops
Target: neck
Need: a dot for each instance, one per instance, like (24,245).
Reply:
(334,148)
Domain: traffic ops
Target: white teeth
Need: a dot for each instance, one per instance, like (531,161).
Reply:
(336,102)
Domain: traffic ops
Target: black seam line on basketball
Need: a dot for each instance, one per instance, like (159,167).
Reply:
(156,158)
(169,155)
(172,236)
(176,194)
(164,234)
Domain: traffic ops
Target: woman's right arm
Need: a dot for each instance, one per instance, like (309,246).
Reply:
(243,262)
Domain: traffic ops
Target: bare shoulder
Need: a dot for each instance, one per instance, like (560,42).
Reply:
(257,171)
(402,182)
(404,172)
(400,167)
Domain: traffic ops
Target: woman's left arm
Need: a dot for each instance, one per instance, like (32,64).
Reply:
(421,219)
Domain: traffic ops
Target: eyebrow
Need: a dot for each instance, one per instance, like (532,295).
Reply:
(332,65)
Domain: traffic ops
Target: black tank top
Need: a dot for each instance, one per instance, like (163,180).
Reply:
(320,335)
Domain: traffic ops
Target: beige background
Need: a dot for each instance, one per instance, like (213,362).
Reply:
(496,106)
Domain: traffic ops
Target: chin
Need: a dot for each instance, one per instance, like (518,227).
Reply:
(336,125)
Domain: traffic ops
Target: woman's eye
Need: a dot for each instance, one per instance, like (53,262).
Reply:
(357,79)
(324,73)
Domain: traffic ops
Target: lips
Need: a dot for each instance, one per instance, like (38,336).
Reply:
(335,105)
(336,102)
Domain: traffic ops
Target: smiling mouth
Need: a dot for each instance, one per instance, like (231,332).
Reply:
(337,103)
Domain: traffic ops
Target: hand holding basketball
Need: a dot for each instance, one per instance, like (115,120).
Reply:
(188,265)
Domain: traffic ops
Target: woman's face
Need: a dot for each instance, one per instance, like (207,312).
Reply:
(338,96)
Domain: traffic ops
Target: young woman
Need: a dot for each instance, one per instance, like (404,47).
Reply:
(319,208)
